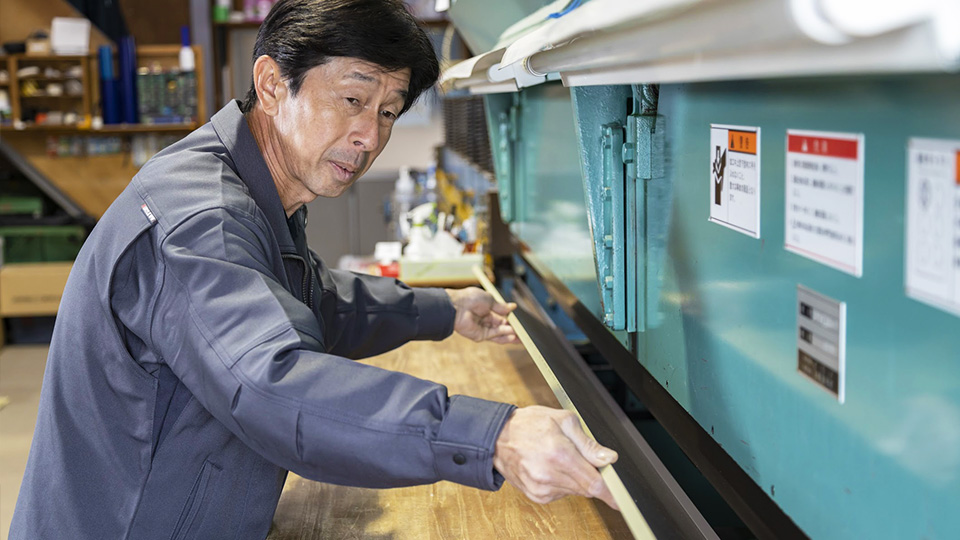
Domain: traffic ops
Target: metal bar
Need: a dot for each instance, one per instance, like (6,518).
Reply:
(745,497)
(41,181)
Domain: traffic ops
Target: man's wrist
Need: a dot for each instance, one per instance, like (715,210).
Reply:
(454,295)
(500,443)
(436,315)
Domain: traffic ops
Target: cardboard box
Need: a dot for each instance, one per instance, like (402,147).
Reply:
(440,272)
(32,289)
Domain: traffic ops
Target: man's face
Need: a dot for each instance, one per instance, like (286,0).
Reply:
(339,122)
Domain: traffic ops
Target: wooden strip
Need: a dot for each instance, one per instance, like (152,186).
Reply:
(631,514)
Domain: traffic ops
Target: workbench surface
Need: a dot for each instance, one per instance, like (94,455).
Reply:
(311,510)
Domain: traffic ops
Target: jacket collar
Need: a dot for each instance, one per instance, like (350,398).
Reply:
(242,148)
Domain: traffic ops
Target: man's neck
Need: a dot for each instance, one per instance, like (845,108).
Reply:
(290,191)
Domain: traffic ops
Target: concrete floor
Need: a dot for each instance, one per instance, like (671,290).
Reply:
(21,372)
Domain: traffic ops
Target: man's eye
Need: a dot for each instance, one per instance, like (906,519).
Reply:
(390,115)
(353,101)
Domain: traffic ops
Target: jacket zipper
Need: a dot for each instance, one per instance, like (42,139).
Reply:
(306,292)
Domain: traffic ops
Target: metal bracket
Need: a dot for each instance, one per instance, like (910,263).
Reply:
(505,169)
(614,279)
(508,135)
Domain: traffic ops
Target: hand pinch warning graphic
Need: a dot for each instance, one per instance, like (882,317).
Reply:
(719,164)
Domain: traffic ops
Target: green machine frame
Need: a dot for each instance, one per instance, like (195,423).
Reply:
(606,186)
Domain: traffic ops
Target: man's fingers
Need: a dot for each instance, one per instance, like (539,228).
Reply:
(582,480)
(494,333)
(607,497)
(504,309)
(492,319)
(591,450)
(549,485)
(546,454)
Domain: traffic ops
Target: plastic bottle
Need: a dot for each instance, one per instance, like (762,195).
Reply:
(187,60)
(430,188)
(221,11)
(187,89)
(403,197)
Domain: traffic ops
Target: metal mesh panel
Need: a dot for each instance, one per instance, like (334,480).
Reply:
(465,130)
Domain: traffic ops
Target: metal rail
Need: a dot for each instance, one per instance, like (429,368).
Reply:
(41,181)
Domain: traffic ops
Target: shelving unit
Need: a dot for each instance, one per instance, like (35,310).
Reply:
(62,63)
(162,56)
(92,182)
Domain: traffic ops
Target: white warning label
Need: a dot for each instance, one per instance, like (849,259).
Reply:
(824,198)
(735,178)
(933,222)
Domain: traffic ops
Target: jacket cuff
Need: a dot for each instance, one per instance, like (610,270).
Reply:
(463,450)
(435,314)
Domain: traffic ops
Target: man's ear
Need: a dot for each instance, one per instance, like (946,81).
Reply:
(270,86)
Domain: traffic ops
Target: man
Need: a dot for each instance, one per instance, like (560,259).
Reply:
(201,349)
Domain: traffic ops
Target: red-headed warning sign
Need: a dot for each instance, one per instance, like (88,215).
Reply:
(823,146)
(824,198)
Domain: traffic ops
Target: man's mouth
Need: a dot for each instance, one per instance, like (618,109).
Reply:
(343,169)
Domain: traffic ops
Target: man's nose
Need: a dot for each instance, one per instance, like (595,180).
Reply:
(366,131)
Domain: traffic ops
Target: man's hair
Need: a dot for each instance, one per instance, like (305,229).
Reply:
(302,34)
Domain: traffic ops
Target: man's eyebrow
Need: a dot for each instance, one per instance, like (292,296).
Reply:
(362,77)
(368,79)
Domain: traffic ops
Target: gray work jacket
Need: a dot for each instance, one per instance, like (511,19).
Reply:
(201,351)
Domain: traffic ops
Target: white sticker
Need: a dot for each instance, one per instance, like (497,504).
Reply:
(146,212)
(824,198)
(735,178)
(933,222)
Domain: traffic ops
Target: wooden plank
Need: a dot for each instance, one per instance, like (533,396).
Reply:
(313,511)
(635,520)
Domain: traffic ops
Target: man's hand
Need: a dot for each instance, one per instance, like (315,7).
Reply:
(544,453)
(480,317)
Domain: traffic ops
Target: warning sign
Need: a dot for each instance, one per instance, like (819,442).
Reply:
(824,198)
(735,178)
(933,222)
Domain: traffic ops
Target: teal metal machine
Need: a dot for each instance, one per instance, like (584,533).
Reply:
(799,329)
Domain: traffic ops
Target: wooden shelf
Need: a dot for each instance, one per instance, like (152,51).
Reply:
(143,128)
(49,57)
(110,129)
(237,25)
(51,79)
(49,96)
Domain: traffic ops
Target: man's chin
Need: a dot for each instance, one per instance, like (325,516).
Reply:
(332,190)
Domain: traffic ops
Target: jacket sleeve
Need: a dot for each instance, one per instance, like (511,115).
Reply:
(368,315)
(253,355)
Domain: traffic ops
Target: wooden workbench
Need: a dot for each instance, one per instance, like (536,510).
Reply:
(311,510)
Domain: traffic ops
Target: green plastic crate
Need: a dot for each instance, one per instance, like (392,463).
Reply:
(16,206)
(41,243)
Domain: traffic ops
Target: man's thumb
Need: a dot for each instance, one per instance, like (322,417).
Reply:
(504,309)
(591,450)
